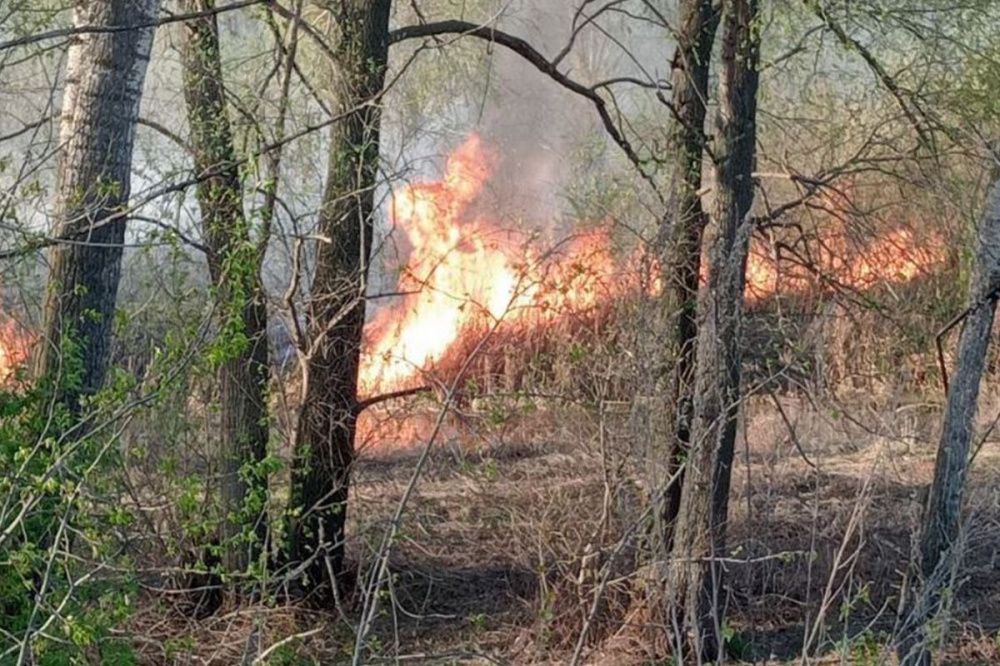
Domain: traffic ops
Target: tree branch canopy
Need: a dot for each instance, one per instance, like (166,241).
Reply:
(534,57)
(139,25)
(876,68)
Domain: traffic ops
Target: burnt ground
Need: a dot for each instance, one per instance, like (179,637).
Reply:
(515,523)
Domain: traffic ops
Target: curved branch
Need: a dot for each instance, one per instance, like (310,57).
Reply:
(526,51)
(159,128)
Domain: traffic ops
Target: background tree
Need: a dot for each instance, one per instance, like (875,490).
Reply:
(325,434)
(105,72)
(681,232)
(696,582)
(234,260)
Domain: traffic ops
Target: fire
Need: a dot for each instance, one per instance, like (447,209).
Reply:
(894,258)
(466,272)
(15,347)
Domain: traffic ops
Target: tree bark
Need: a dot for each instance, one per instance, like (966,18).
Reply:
(696,577)
(234,266)
(104,79)
(681,232)
(939,538)
(325,440)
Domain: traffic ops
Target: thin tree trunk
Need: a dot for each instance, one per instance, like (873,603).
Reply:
(234,268)
(695,579)
(325,439)
(104,79)
(681,259)
(940,534)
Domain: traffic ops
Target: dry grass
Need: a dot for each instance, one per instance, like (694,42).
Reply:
(516,524)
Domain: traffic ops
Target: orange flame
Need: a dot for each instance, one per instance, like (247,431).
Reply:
(15,348)
(894,258)
(465,271)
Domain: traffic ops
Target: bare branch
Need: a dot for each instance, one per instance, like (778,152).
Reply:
(106,29)
(883,76)
(528,52)
(385,397)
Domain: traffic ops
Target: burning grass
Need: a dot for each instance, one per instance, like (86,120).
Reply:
(466,274)
(15,349)
(808,341)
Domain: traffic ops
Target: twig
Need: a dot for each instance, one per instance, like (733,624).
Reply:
(791,428)
(284,641)
(385,397)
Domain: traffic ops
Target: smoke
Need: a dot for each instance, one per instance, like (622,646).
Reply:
(533,123)
(537,127)
(544,138)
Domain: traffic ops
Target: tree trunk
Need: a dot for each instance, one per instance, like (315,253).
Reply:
(325,439)
(234,266)
(681,253)
(700,535)
(939,537)
(104,79)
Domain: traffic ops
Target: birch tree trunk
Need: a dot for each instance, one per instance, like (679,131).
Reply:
(682,235)
(234,265)
(695,579)
(325,439)
(104,79)
(939,540)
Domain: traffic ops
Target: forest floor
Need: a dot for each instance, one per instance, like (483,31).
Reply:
(516,522)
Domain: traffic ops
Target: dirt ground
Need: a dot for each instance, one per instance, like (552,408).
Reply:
(517,522)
